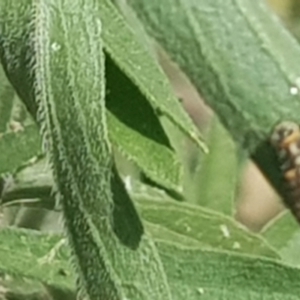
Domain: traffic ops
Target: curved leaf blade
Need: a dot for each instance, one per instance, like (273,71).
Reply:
(137,63)
(157,161)
(68,64)
(208,228)
(249,76)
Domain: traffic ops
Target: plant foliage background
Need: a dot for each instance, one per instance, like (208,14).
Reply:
(93,137)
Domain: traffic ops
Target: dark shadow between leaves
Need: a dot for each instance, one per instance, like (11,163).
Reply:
(127,224)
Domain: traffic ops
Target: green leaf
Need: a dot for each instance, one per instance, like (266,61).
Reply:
(26,253)
(135,61)
(109,256)
(166,219)
(135,24)
(194,225)
(283,233)
(191,272)
(18,147)
(241,59)
(197,274)
(126,50)
(67,126)
(136,131)
(34,180)
(215,182)
(136,123)
(203,227)
(157,161)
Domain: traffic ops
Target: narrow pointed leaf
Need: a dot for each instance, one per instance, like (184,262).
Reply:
(66,84)
(157,161)
(210,229)
(136,62)
(135,130)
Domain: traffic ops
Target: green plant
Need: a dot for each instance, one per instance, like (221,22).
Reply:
(98,99)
